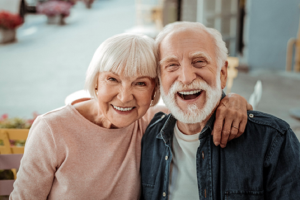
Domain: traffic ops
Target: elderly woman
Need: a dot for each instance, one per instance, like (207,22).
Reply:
(92,149)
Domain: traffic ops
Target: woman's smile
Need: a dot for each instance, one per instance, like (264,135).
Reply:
(124,110)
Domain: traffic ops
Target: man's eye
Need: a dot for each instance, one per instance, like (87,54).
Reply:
(172,67)
(200,63)
(141,83)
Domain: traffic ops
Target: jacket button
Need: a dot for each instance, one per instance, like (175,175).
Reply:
(166,158)
(202,154)
(162,116)
(164,194)
(251,115)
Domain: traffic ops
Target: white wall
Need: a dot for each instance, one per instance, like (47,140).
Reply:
(12,6)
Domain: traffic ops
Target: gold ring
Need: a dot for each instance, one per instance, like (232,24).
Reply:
(235,127)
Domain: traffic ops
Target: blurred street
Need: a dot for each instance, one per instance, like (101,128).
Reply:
(48,62)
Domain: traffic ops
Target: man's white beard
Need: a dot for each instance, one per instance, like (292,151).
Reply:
(193,114)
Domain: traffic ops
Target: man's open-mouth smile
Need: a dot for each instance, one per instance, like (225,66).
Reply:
(188,95)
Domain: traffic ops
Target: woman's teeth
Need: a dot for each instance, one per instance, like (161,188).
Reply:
(122,109)
(189,92)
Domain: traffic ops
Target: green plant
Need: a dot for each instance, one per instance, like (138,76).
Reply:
(16,122)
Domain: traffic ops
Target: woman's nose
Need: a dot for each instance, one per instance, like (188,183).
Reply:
(125,95)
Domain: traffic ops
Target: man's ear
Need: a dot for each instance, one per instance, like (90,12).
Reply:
(223,75)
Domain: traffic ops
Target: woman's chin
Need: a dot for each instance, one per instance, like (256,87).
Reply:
(121,124)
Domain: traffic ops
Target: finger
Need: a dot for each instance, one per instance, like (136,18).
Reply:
(242,126)
(226,132)
(249,106)
(217,131)
(234,130)
(218,126)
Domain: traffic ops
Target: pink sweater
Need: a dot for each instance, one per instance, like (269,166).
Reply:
(68,157)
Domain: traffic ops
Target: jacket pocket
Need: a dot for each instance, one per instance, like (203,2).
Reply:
(147,191)
(244,195)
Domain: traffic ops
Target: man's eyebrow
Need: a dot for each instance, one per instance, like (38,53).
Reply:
(168,59)
(200,54)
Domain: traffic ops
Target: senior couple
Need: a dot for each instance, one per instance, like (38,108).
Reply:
(93,149)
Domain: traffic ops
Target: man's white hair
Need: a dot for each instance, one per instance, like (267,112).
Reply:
(127,54)
(221,50)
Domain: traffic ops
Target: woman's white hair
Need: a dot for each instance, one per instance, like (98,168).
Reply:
(221,50)
(129,54)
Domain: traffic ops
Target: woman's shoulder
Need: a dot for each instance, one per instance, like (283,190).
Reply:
(57,113)
(63,115)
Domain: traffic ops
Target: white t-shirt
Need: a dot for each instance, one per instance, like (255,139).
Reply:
(183,174)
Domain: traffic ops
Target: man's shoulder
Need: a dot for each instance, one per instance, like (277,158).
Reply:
(264,120)
(156,124)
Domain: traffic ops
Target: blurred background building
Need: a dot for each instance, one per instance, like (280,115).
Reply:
(48,59)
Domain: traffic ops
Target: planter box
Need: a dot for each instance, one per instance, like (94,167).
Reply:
(56,19)
(7,35)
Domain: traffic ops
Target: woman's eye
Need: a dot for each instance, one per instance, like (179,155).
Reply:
(112,79)
(172,65)
(141,83)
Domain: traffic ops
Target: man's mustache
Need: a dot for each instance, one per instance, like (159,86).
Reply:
(195,85)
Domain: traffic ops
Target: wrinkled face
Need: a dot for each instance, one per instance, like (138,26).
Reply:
(191,82)
(123,100)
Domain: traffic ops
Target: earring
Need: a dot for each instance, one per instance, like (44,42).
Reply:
(96,89)
(153,96)
(151,104)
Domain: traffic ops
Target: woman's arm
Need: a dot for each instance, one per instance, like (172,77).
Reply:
(38,165)
(231,119)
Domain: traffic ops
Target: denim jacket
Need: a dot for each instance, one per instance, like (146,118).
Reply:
(263,163)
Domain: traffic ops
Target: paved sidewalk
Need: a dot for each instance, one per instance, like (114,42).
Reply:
(281,92)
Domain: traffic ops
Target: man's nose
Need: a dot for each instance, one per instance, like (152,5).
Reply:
(187,75)
(125,95)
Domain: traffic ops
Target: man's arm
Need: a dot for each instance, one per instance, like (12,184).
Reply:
(282,168)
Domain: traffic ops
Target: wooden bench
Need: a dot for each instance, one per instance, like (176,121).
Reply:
(10,156)
(8,161)
(12,134)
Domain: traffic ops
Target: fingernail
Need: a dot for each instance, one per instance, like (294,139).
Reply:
(223,146)
(217,143)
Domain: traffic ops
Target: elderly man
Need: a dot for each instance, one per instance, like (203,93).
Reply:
(179,160)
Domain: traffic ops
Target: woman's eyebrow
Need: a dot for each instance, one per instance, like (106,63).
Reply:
(142,77)
(168,59)
(199,54)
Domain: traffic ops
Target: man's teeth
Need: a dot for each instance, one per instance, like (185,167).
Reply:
(122,109)
(190,92)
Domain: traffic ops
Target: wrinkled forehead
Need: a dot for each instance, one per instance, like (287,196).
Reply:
(195,39)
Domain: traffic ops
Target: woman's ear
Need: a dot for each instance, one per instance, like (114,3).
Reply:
(156,93)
